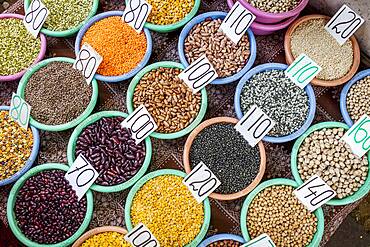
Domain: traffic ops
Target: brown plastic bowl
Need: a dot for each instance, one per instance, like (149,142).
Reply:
(251,186)
(324,83)
(97,230)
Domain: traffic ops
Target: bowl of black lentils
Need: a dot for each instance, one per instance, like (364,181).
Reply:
(202,35)
(224,240)
(237,165)
(43,209)
(292,108)
(110,150)
(66,17)
(320,151)
(58,94)
(272,208)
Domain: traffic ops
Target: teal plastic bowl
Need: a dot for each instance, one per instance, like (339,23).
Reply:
(72,147)
(71,31)
(12,199)
(363,190)
(136,80)
(207,208)
(90,107)
(279,181)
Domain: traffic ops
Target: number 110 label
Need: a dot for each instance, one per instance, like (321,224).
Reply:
(358,136)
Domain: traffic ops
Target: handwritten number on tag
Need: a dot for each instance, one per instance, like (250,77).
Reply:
(202,183)
(35,17)
(19,111)
(239,19)
(91,171)
(302,70)
(136,13)
(140,236)
(87,61)
(357,137)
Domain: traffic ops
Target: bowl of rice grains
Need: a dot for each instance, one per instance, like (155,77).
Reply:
(66,17)
(58,94)
(165,205)
(108,236)
(19,49)
(125,52)
(223,240)
(307,35)
(237,165)
(19,148)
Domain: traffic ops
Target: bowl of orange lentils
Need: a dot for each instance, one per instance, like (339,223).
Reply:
(124,51)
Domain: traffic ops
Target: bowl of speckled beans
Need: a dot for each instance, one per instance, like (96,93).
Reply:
(25,50)
(229,60)
(223,240)
(320,151)
(66,17)
(103,236)
(339,62)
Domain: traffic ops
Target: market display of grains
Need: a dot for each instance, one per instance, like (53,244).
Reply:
(357,99)
(324,154)
(15,146)
(18,49)
(277,212)
(106,239)
(121,47)
(168,99)
(165,12)
(167,208)
(226,57)
(225,243)
(274,6)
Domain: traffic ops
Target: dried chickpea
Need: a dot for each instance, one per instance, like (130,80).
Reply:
(106,239)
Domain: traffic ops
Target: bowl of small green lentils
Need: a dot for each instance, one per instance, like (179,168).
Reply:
(19,50)
(66,17)
(162,203)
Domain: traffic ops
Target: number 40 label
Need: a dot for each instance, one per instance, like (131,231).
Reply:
(87,61)
(358,136)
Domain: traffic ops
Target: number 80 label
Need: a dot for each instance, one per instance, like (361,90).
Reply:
(20,111)
(87,61)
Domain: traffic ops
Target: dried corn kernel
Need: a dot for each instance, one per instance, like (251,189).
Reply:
(165,12)
(106,239)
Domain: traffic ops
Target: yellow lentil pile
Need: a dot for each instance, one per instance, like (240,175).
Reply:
(165,12)
(15,146)
(106,239)
(168,209)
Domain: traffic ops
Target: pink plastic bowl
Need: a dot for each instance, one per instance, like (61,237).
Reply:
(39,57)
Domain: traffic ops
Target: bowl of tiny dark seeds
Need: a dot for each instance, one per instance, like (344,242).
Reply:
(292,108)
(223,239)
(43,209)
(110,150)
(228,155)
(58,94)
(202,36)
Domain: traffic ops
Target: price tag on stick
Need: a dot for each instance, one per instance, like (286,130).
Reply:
(87,61)
(198,74)
(254,125)
(201,182)
(358,136)
(314,193)
(237,22)
(141,236)
(35,17)
(81,175)
(20,111)
(262,240)
(136,13)
(343,24)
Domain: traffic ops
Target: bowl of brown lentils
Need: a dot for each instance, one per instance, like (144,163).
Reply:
(223,240)
(173,106)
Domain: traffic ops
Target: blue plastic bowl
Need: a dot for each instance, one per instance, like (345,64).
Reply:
(114,79)
(308,89)
(222,236)
(217,15)
(31,159)
(343,95)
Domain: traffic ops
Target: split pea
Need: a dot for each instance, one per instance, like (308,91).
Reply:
(106,239)
(165,12)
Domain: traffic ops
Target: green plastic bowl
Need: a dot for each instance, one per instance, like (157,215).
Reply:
(207,208)
(65,126)
(279,181)
(11,203)
(69,32)
(174,26)
(363,190)
(136,80)
(72,147)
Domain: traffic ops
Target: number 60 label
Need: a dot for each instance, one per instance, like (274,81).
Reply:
(358,136)
(35,17)
(87,61)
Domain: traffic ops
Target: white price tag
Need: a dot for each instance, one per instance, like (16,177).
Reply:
(81,175)
(314,193)
(201,182)
(198,74)
(343,24)
(141,236)
(302,70)
(35,17)
(358,136)
(140,124)
(20,111)
(237,22)
(87,61)
(136,13)
(262,240)
(254,125)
